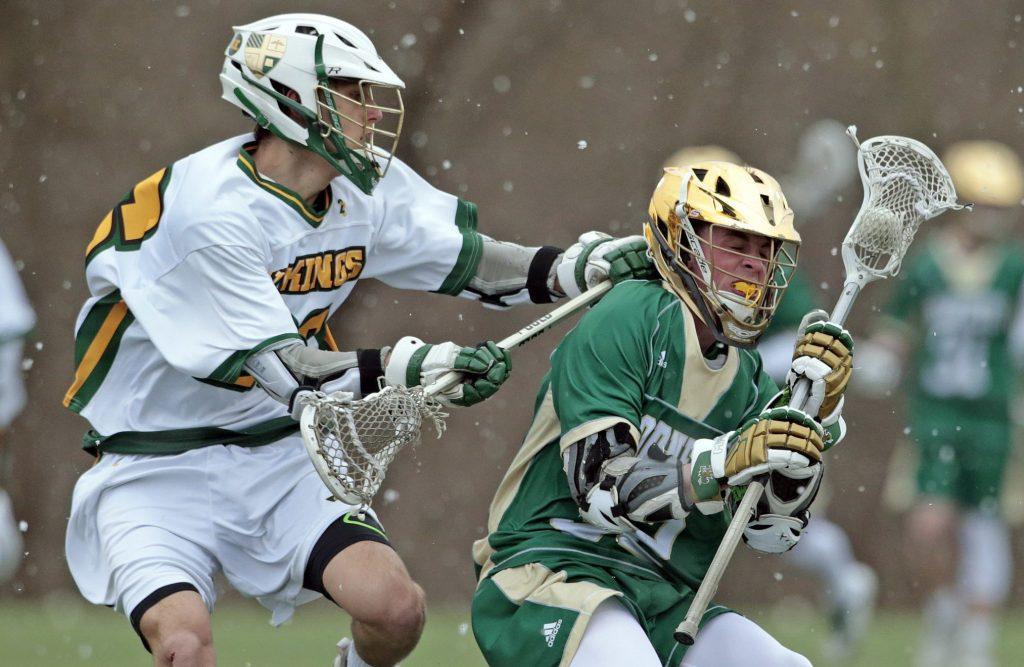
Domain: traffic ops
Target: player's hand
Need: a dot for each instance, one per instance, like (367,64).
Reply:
(484,368)
(597,257)
(777,439)
(824,355)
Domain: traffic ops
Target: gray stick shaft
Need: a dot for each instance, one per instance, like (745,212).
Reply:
(687,630)
(530,331)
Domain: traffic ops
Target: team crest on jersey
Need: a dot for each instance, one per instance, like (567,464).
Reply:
(263,52)
(320,272)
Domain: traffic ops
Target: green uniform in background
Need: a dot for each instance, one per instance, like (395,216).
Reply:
(796,302)
(634,358)
(962,376)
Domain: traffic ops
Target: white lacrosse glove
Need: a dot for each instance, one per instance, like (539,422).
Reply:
(775,533)
(777,439)
(597,257)
(782,512)
(484,368)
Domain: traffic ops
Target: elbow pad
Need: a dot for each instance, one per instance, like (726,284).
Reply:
(510,274)
(583,460)
(285,370)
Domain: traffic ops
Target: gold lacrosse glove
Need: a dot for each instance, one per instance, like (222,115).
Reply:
(832,345)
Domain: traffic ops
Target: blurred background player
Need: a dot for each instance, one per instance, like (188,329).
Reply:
(956,310)
(16,320)
(825,165)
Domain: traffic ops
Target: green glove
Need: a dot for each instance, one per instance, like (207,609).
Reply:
(484,367)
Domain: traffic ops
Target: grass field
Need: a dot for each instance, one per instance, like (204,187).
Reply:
(63,631)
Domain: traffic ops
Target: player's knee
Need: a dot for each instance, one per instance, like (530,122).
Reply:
(185,646)
(406,613)
(931,525)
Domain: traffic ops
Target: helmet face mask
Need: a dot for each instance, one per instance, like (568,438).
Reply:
(728,251)
(361,128)
(285,72)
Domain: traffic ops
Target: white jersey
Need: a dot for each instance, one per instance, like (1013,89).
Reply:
(207,262)
(16,321)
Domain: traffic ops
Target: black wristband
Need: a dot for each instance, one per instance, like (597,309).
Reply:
(370,370)
(537,275)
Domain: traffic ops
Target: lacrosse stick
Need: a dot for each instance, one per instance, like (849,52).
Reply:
(351,443)
(904,185)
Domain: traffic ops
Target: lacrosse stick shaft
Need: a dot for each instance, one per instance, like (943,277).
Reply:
(530,331)
(687,630)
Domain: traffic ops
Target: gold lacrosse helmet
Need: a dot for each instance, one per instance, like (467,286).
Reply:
(987,173)
(684,157)
(716,196)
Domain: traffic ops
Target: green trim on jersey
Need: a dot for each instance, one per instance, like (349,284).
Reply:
(231,368)
(314,215)
(470,254)
(135,218)
(96,344)
(176,441)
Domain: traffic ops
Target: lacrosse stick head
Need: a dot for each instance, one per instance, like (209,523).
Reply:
(352,443)
(904,185)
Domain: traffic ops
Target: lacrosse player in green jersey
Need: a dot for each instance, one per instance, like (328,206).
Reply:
(825,165)
(655,415)
(956,312)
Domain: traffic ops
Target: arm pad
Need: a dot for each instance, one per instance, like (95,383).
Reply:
(584,459)
(510,274)
(283,370)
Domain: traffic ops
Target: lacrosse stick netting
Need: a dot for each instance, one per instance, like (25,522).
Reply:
(351,443)
(904,185)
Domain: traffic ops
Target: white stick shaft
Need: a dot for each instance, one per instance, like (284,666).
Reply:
(530,331)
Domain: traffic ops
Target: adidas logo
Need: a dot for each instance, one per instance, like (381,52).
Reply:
(551,631)
(662,362)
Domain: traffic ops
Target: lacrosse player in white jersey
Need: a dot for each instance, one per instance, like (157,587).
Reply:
(211,284)
(16,321)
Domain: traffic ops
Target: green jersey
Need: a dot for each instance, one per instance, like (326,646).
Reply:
(633,359)
(961,309)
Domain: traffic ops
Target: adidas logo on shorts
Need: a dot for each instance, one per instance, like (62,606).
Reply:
(551,631)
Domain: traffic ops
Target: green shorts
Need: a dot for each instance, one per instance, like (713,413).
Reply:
(963,459)
(535,614)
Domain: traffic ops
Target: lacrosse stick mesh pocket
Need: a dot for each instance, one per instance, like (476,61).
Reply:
(905,184)
(358,440)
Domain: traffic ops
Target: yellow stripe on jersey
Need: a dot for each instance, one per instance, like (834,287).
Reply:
(703,386)
(134,219)
(96,348)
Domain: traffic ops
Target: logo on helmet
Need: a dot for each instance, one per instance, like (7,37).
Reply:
(236,43)
(263,52)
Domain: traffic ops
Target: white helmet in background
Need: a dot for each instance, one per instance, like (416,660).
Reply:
(301,54)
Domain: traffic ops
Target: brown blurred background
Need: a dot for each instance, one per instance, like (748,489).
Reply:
(554,117)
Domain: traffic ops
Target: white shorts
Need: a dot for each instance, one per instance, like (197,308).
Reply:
(139,523)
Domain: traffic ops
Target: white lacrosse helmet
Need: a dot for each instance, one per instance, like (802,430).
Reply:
(303,54)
